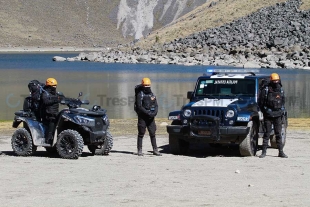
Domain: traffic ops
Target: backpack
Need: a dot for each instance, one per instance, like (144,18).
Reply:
(32,102)
(265,86)
(138,89)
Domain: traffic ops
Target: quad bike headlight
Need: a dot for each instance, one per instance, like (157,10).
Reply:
(187,113)
(85,121)
(230,114)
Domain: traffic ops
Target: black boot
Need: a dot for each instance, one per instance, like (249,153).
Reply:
(156,152)
(263,152)
(281,153)
(139,146)
(154,145)
(49,138)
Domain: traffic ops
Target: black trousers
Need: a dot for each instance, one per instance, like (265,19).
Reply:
(50,121)
(277,126)
(149,123)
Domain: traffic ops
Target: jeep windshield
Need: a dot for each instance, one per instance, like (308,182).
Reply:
(223,87)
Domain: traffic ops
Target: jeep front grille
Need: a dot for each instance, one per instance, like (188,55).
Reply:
(211,112)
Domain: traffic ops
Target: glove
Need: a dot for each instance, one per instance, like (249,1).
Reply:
(60,96)
(151,114)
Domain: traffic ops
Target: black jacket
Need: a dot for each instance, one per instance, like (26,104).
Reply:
(50,101)
(147,105)
(271,100)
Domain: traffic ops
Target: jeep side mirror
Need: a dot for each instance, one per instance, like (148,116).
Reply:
(189,94)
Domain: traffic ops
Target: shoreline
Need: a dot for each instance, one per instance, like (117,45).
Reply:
(113,55)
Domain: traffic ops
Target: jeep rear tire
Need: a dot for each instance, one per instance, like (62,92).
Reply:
(22,143)
(69,144)
(248,146)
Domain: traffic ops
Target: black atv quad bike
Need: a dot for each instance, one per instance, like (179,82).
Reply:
(75,127)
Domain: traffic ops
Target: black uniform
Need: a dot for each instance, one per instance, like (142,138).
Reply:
(50,109)
(271,102)
(147,109)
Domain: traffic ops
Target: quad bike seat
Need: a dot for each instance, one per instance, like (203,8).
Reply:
(23,113)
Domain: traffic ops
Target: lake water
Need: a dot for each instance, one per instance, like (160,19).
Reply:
(112,85)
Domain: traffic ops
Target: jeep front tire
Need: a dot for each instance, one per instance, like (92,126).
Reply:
(248,146)
(177,145)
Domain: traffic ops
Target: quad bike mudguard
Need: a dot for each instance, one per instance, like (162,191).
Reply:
(36,129)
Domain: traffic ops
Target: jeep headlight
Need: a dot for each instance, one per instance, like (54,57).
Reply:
(187,113)
(230,113)
(85,121)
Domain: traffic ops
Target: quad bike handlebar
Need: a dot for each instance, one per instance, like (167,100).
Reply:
(73,102)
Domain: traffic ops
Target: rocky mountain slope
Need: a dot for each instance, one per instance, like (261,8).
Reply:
(277,36)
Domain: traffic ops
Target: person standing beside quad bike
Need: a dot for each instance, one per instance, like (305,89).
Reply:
(271,102)
(146,108)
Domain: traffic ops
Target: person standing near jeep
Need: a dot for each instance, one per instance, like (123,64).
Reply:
(271,102)
(146,108)
(50,106)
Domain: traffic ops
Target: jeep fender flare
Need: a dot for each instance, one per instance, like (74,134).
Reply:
(174,115)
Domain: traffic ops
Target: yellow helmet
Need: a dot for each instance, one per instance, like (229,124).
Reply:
(146,82)
(274,77)
(51,82)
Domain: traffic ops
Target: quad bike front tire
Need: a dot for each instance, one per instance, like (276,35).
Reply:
(22,143)
(69,144)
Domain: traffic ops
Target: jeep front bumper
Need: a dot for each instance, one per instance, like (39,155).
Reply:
(207,128)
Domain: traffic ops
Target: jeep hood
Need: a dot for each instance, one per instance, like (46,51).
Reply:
(213,102)
(240,105)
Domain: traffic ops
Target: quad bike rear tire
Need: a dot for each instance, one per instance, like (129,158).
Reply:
(22,143)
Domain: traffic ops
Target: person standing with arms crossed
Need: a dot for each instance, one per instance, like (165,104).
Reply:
(271,102)
(146,108)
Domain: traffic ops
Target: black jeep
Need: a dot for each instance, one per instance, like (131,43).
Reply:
(222,109)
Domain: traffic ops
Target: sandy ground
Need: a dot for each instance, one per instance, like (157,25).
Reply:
(204,177)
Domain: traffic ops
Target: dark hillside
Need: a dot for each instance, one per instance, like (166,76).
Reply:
(54,23)
(90,23)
